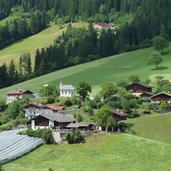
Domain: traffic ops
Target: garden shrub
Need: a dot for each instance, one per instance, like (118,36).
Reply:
(75,137)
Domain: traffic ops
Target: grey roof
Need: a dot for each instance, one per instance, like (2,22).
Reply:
(148,93)
(59,117)
(160,93)
(66,87)
(77,125)
(142,84)
(118,112)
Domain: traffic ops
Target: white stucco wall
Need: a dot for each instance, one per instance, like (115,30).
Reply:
(67,93)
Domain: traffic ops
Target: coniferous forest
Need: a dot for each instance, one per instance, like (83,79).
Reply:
(77,46)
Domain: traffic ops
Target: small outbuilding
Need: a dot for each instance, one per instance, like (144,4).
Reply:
(81,126)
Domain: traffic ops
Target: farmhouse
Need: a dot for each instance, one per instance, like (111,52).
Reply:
(102,25)
(119,115)
(54,121)
(160,97)
(66,90)
(32,110)
(139,88)
(19,95)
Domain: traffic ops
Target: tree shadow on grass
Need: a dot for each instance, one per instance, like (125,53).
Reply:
(160,68)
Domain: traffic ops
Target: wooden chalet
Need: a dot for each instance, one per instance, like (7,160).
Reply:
(139,87)
(161,97)
(119,115)
(54,121)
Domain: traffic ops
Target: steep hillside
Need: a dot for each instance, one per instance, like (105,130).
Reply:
(29,45)
(101,152)
(156,127)
(114,68)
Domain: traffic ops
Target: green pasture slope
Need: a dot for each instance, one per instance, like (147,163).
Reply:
(104,152)
(31,44)
(156,127)
(115,68)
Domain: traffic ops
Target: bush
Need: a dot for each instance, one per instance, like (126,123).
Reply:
(50,99)
(88,110)
(45,134)
(78,117)
(147,112)
(68,102)
(75,137)
(3,106)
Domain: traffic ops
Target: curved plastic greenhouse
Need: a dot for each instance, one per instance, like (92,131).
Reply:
(13,145)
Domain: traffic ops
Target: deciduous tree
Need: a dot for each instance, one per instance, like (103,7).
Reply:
(83,89)
(155,59)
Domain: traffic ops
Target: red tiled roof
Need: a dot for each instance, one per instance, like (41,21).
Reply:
(55,108)
(16,92)
(19,92)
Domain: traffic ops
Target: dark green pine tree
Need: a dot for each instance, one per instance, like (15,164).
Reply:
(92,35)
(3,76)
(13,74)
(37,60)
(28,68)
(21,65)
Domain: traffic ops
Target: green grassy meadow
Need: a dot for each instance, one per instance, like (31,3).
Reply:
(156,127)
(104,152)
(31,44)
(38,41)
(96,73)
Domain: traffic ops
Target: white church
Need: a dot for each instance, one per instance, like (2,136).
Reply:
(66,90)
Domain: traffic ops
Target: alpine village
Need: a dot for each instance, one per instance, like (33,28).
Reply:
(85,85)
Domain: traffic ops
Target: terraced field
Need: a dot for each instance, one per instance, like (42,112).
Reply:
(13,145)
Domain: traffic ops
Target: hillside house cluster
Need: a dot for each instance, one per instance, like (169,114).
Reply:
(47,116)
(145,90)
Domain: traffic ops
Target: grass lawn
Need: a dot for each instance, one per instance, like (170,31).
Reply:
(156,127)
(101,153)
